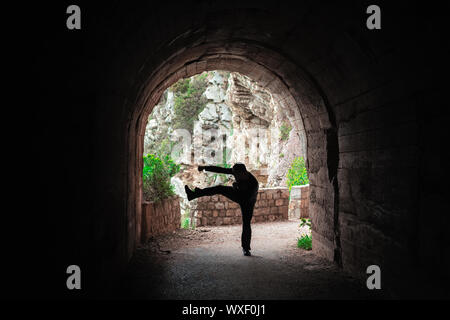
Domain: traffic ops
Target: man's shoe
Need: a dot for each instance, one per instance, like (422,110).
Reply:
(246,252)
(189,192)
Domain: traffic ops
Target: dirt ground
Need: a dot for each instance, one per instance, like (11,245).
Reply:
(207,263)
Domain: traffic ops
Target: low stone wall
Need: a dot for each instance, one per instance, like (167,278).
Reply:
(159,218)
(271,205)
(299,202)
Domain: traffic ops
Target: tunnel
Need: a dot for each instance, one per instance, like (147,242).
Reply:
(369,101)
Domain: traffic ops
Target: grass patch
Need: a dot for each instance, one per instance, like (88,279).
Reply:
(305,242)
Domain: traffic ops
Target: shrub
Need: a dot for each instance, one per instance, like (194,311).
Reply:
(285,129)
(305,242)
(297,175)
(186,223)
(156,177)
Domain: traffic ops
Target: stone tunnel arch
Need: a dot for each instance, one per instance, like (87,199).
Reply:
(292,87)
(385,88)
(345,80)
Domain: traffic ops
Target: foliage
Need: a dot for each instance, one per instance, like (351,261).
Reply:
(285,129)
(189,101)
(186,223)
(305,242)
(297,175)
(156,177)
(305,222)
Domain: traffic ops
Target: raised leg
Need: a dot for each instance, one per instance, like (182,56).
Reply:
(226,191)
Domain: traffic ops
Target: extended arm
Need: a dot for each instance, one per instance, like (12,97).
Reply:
(216,169)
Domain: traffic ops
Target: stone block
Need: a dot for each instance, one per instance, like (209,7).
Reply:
(219,205)
(285,193)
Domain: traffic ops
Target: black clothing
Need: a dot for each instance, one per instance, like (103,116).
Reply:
(243,192)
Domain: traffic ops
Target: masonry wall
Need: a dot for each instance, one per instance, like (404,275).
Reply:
(271,205)
(299,202)
(159,218)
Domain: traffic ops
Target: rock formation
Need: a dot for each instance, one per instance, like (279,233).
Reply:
(256,140)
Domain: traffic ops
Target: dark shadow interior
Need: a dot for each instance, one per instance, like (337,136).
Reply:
(369,101)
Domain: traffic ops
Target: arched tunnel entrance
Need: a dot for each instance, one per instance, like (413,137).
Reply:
(236,113)
(320,139)
(373,160)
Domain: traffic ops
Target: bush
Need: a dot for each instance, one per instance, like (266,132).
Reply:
(156,177)
(297,175)
(186,223)
(305,242)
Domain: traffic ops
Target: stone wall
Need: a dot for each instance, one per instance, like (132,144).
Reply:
(299,202)
(159,218)
(271,205)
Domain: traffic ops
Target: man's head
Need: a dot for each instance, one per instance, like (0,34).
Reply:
(240,171)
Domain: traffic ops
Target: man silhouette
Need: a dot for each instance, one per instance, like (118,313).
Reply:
(243,192)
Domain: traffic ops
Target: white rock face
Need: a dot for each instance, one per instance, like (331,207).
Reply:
(209,114)
(257,119)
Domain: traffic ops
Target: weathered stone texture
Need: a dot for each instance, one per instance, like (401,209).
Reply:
(159,218)
(299,202)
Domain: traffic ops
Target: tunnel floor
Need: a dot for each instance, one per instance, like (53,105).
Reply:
(207,263)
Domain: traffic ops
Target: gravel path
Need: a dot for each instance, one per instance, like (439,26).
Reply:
(207,263)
